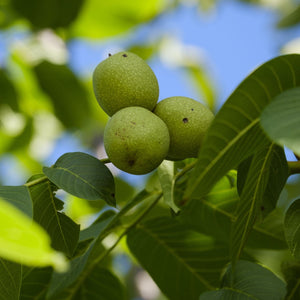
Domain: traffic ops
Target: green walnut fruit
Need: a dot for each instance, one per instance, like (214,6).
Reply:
(136,140)
(124,79)
(187,121)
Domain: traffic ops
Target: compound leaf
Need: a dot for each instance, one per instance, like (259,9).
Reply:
(235,133)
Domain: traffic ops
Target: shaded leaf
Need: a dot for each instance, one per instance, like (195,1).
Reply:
(183,263)
(248,281)
(10,279)
(8,94)
(35,283)
(235,133)
(48,13)
(215,213)
(291,273)
(18,196)
(24,241)
(278,174)
(280,119)
(267,164)
(63,231)
(292,229)
(101,285)
(166,178)
(68,95)
(83,176)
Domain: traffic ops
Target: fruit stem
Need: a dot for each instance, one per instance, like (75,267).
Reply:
(294,167)
(105,160)
(184,170)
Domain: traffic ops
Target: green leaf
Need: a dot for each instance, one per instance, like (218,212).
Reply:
(23,139)
(183,263)
(10,279)
(24,241)
(19,197)
(278,174)
(83,176)
(280,119)
(35,283)
(102,19)
(235,133)
(292,229)
(291,273)
(214,215)
(8,94)
(268,163)
(49,13)
(102,285)
(81,268)
(248,281)
(291,19)
(166,178)
(226,294)
(69,97)
(63,232)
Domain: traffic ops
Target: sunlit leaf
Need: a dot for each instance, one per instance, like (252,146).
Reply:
(235,132)
(24,241)
(23,139)
(68,95)
(269,163)
(177,258)
(63,232)
(248,281)
(280,119)
(48,13)
(166,177)
(102,19)
(19,197)
(10,279)
(83,176)
(292,229)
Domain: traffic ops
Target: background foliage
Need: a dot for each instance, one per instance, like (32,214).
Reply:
(42,101)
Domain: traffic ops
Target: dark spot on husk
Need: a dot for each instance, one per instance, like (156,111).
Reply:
(192,109)
(124,55)
(185,120)
(131,162)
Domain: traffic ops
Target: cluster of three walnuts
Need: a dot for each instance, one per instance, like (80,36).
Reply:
(141,132)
